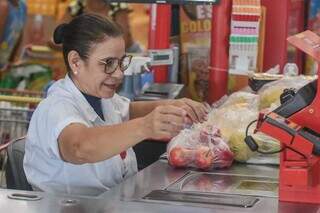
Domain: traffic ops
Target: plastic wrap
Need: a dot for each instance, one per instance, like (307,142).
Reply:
(270,93)
(237,111)
(232,117)
(201,147)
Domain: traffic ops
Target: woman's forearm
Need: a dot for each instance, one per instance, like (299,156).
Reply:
(79,144)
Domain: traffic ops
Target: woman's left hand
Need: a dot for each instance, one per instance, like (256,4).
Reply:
(197,112)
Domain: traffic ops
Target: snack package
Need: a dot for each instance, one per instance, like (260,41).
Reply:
(201,147)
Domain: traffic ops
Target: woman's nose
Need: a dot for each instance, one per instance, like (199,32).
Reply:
(118,73)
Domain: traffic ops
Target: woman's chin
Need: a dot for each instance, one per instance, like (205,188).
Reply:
(107,94)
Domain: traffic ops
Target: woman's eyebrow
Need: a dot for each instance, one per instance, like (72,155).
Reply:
(104,59)
(110,57)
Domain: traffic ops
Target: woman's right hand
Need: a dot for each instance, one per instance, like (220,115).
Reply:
(165,122)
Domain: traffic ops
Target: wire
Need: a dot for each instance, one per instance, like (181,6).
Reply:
(259,151)
(249,125)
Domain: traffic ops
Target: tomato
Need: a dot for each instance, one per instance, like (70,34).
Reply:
(180,157)
(204,158)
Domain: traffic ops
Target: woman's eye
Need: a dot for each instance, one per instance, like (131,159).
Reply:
(109,63)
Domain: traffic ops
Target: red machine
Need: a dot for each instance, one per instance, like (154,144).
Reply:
(296,124)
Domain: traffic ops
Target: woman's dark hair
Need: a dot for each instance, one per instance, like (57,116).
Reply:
(82,32)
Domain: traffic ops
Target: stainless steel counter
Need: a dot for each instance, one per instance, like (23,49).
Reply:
(127,196)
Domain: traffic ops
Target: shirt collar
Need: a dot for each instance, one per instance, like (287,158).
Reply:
(80,100)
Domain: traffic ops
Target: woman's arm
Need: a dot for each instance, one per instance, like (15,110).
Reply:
(196,111)
(79,144)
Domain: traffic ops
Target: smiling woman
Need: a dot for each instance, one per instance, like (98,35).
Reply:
(80,137)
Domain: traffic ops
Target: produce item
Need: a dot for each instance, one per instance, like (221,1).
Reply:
(201,147)
(180,156)
(241,151)
(270,93)
(233,118)
(204,158)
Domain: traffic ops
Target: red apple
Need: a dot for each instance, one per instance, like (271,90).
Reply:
(180,157)
(204,158)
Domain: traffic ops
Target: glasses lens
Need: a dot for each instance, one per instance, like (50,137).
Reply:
(125,62)
(111,65)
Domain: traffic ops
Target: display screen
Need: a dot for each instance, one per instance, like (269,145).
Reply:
(170,1)
(161,57)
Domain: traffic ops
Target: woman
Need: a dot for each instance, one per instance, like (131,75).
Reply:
(80,137)
(13,17)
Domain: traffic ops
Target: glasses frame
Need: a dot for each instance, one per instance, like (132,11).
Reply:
(119,63)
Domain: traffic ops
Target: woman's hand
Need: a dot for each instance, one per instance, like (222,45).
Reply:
(196,111)
(165,122)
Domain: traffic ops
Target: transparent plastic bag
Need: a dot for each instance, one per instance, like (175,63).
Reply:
(201,147)
(270,93)
(234,117)
(242,98)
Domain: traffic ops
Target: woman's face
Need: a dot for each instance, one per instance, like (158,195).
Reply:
(92,78)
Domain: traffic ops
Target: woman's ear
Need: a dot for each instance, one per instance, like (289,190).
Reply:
(74,61)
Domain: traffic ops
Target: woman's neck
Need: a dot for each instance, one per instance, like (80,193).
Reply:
(78,85)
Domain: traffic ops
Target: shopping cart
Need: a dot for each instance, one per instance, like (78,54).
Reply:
(16,108)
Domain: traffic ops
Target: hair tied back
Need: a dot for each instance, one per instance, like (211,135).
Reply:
(59,33)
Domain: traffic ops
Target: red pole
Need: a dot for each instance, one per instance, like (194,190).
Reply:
(159,33)
(277,19)
(218,81)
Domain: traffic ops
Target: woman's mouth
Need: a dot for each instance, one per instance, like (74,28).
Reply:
(111,86)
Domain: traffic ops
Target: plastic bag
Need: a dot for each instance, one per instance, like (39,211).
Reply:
(242,98)
(270,93)
(200,147)
(232,118)
(237,111)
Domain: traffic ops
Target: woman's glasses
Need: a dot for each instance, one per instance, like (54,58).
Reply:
(111,64)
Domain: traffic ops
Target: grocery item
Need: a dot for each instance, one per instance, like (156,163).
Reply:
(235,111)
(270,93)
(241,151)
(201,147)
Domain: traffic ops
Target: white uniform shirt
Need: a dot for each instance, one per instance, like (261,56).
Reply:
(44,168)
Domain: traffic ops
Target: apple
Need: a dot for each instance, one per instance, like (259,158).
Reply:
(204,158)
(180,157)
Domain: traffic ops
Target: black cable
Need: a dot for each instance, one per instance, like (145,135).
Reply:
(263,152)
(247,129)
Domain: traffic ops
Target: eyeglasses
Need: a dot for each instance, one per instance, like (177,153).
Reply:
(111,64)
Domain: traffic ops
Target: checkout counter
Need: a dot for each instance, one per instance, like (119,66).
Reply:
(160,188)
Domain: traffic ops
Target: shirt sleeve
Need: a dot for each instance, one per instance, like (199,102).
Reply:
(58,116)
